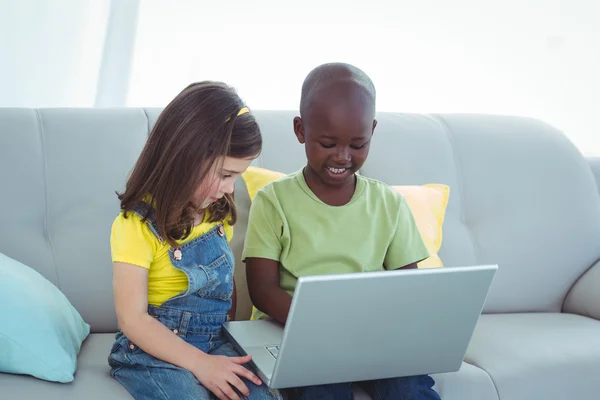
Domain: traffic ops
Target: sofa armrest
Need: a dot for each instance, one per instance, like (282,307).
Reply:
(595,165)
(584,297)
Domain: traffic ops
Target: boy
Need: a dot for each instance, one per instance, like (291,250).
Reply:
(326,219)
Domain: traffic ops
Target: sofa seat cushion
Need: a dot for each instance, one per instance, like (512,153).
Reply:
(538,355)
(468,383)
(92,379)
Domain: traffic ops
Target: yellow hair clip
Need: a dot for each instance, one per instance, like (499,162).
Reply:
(243,110)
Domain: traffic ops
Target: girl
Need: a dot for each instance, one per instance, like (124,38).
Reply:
(173,268)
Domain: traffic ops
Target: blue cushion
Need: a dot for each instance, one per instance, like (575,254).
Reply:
(40,331)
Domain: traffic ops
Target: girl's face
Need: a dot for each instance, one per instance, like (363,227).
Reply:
(220,182)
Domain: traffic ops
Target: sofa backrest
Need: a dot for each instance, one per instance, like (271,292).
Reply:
(59,169)
(521,196)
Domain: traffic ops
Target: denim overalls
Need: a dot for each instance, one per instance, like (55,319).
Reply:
(196,315)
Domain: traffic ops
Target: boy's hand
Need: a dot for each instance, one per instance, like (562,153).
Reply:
(220,374)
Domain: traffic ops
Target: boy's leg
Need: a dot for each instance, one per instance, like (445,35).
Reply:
(338,391)
(261,392)
(406,388)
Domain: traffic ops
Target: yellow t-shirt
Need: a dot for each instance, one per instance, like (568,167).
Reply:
(133,242)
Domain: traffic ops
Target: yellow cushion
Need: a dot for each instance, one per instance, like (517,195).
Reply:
(428,204)
(255,178)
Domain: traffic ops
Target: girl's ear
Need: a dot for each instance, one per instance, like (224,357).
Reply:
(299,129)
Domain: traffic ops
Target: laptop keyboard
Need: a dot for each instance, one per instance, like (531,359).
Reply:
(274,350)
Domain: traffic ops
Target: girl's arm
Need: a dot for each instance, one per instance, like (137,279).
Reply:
(216,373)
(130,284)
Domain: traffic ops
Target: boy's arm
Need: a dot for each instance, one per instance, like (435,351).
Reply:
(407,247)
(410,266)
(262,252)
(233,309)
(265,292)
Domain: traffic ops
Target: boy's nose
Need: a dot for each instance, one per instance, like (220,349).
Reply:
(342,154)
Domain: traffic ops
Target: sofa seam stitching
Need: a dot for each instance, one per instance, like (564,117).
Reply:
(488,375)
(46,208)
(147,121)
(459,180)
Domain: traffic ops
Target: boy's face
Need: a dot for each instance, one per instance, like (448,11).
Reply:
(336,140)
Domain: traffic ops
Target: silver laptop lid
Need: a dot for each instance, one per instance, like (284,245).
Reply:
(374,325)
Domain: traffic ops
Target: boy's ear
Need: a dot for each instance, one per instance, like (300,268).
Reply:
(374,125)
(299,129)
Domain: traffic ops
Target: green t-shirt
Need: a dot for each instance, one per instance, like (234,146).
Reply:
(290,224)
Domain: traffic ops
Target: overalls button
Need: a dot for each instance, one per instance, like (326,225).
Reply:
(131,346)
(221,230)
(177,254)
(175,331)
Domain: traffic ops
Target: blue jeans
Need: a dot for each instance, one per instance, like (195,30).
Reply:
(407,388)
(146,377)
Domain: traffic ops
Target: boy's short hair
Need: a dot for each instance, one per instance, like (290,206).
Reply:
(325,74)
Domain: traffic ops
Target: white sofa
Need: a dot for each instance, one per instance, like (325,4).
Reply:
(521,196)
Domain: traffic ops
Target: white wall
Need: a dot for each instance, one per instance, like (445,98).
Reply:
(539,58)
(50,52)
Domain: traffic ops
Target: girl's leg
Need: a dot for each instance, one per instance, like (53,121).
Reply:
(406,388)
(339,391)
(261,392)
(154,381)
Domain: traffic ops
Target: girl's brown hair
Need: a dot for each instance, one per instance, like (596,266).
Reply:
(191,136)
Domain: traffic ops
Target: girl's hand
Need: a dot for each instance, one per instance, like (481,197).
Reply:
(219,373)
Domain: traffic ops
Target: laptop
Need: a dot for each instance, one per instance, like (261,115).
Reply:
(369,325)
